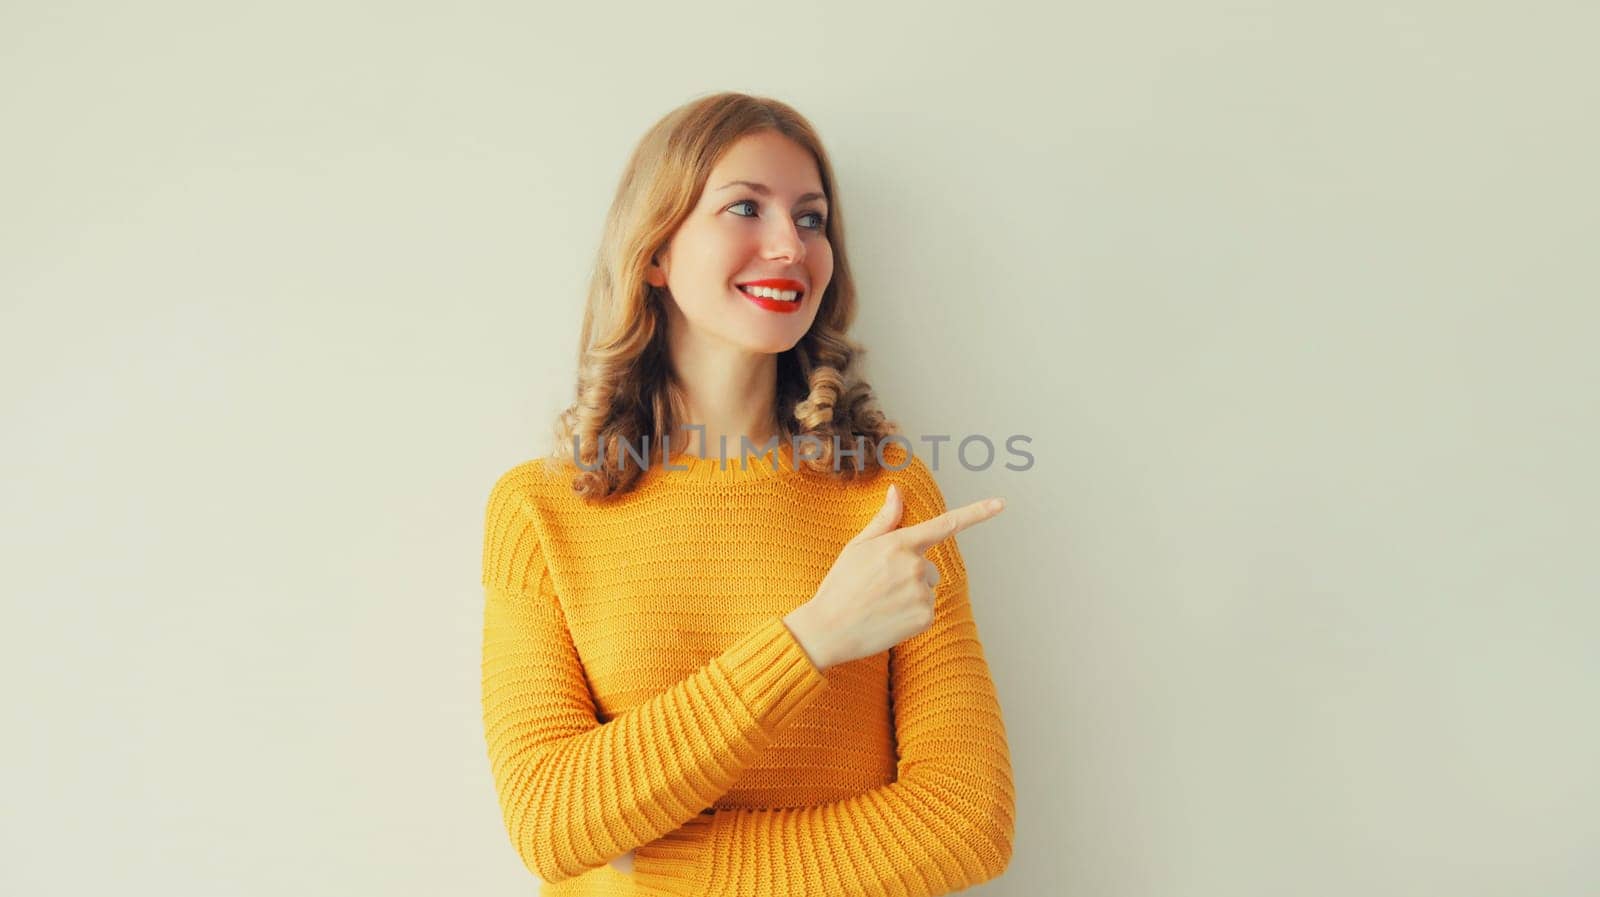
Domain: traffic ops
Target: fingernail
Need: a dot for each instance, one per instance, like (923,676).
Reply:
(997,504)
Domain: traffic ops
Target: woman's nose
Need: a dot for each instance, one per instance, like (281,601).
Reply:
(784,242)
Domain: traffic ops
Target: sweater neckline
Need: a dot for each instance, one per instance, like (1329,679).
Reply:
(756,465)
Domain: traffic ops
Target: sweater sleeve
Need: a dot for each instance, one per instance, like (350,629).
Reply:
(575,793)
(945,824)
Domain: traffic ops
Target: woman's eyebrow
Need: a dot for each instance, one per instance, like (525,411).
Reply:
(764,190)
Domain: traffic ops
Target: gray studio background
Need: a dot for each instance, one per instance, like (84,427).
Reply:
(1296,301)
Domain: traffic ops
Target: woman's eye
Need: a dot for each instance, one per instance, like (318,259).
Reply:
(822,220)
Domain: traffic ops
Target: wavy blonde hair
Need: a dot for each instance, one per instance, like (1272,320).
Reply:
(625,385)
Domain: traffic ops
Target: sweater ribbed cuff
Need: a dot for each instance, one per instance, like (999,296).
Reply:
(771,673)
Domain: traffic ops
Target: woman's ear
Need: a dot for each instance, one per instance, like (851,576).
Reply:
(655,274)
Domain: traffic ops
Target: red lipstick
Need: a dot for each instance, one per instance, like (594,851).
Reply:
(776,283)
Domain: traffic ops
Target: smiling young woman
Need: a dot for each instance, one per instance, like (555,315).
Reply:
(715,678)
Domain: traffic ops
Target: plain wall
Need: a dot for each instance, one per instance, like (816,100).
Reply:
(1297,303)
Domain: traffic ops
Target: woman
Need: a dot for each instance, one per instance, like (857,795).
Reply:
(741,670)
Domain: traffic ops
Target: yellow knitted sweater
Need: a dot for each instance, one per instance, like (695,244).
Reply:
(641,691)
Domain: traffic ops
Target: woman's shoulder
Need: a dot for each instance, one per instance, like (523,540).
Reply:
(530,484)
(913,476)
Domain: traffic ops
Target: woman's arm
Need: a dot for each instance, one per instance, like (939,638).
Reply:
(947,822)
(575,793)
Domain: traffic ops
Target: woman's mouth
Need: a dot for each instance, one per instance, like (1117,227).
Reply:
(772,300)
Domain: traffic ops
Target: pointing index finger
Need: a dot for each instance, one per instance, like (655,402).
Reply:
(923,536)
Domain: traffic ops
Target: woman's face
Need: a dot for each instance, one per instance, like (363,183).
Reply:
(737,234)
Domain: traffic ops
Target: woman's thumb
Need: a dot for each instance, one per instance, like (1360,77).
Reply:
(887,518)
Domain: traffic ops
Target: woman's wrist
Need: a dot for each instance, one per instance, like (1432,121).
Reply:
(807,635)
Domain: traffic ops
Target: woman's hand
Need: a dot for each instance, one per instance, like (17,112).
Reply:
(880,590)
(624,863)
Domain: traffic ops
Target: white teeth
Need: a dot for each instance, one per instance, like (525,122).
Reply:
(770,293)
